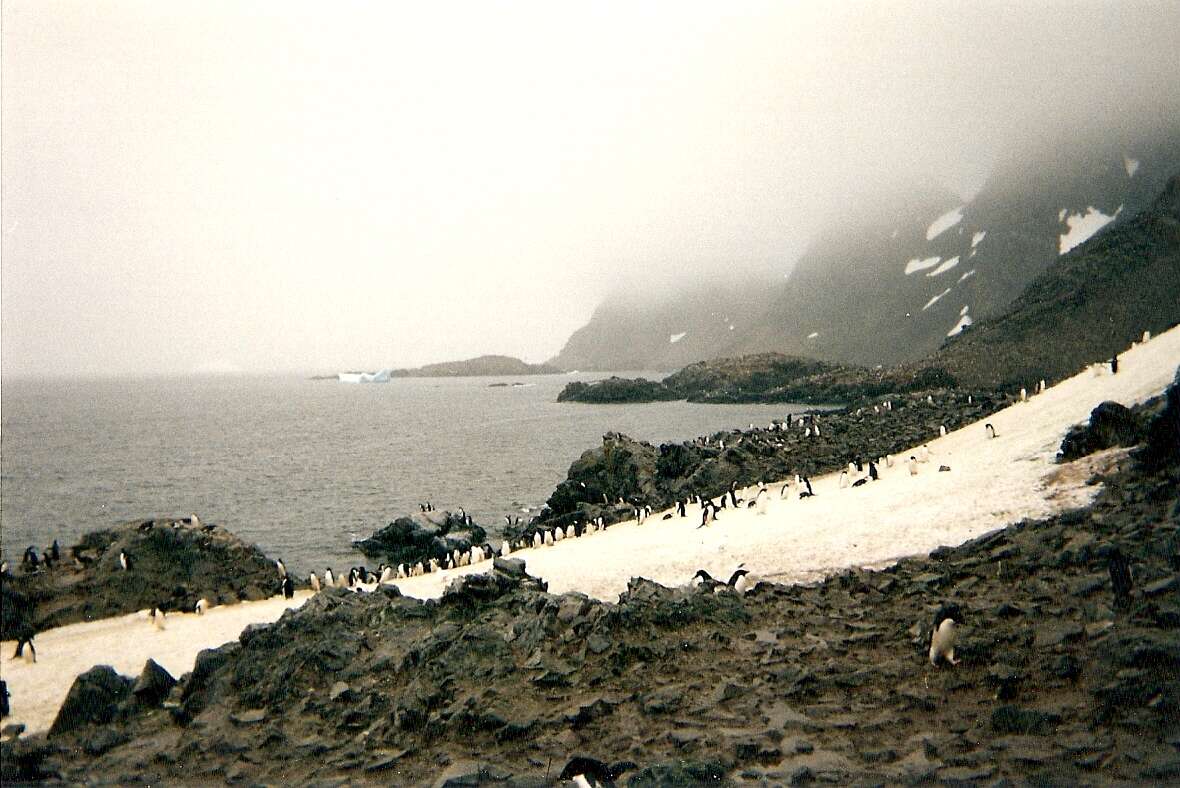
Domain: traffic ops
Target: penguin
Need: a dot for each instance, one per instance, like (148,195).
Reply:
(724,501)
(843,479)
(507,520)
(30,561)
(315,583)
(329,580)
(537,539)
(558,534)
(807,482)
(341,582)
(288,587)
(740,580)
(25,638)
(703,579)
(817,429)
(387,572)
(861,481)
(146,526)
(125,561)
(708,514)
(1146,337)
(418,569)
(942,430)
(942,641)
(929,399)
(646,511)
(1023,394)
(279,565)
(667,516)
(55,551)
(586,772)
(762,501)
(913,465)
(873,471)
(681,509)
(157,617)
(785,489)
(924,453)
(852,468)
(991,431)
(888,460)
(549,541)
(1114,364)
(203,605)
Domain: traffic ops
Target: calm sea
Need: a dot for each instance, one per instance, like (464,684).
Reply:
(297,466)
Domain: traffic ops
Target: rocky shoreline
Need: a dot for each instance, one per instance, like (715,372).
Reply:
(1062,678)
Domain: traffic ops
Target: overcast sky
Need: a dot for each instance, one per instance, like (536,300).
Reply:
(316,186)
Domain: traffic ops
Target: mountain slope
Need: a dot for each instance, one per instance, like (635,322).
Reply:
(1085,307)
(890,281)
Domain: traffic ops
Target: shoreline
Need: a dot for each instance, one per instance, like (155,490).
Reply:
(740,536)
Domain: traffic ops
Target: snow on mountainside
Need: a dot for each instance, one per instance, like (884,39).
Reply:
(884,285)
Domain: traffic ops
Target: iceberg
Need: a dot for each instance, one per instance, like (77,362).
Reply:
(364,377)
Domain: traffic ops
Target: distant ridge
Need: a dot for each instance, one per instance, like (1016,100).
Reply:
(481,366)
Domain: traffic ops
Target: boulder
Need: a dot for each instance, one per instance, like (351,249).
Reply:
(1111,424)
(153,685)
(94,699)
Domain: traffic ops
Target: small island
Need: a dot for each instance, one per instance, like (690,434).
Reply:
(480,366)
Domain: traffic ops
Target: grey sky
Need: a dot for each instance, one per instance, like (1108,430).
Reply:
(316,186)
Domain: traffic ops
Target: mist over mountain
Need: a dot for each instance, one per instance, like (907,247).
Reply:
(900,269)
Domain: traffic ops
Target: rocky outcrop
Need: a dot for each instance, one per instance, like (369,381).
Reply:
(611,479)
(421,537)
(172,564)
(1111,424)
(615,390)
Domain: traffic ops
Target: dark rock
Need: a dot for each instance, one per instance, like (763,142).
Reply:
(1056,634)
(93,699)
(153,685)
(1111,424)
(248,717)
(1169,585)
(104,740)
(679,773)
(510,566)
(1013,719)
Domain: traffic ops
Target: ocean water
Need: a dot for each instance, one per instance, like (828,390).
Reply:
(302,467)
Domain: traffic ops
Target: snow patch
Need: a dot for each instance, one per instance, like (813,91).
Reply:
(1061,215)
(979,236)
(934,300)
(964,321)
(674,338)
(963,311)
(948,265)
(969,273)
(1083,226)
(731,326)
(920,265)
(944,223)
(813,335)
(1131,166)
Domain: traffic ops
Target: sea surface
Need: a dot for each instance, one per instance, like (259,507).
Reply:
(303,467)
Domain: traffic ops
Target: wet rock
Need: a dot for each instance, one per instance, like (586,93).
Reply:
(93,699)
(248,717)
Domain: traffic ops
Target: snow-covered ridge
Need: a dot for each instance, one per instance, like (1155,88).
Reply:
(934,300)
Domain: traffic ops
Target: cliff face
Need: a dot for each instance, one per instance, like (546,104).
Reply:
(891,280)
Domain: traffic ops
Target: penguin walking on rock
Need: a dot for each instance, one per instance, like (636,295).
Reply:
(288,587)
(944,634)
(125,561)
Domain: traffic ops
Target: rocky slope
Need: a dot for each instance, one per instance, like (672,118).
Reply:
(887,282)
(1060,679)
(640,473)
(173,564)
(763,377)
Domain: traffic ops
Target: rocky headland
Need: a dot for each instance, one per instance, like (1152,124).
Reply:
(1065,675)
(172,563)
(422,536)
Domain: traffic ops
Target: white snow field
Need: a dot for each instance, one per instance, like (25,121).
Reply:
(1083,226)
(991,484)
(944,223)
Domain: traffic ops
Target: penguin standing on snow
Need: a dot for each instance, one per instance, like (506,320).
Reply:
(201,606)
(991,431)
(708,514)
(873,471)
(288,587)
(315,583)
(157,617)
(843,479)
(329,579)
(913,465)
(681,509)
